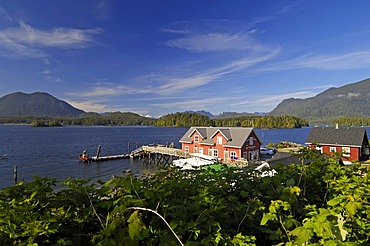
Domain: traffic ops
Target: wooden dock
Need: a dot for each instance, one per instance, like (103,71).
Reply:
(150,154)
(159,155)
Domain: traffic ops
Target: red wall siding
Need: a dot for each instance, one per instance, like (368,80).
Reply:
(220,148)
(354,152)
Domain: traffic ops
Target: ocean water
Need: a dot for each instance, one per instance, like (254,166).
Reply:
(53,152)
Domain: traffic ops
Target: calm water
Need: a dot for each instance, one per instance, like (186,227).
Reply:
(53,152)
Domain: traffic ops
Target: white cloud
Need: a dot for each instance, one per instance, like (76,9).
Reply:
(343,61)
(270,101)
(26,41)
(89,106)
(214,36)
(194,104)
(216,42)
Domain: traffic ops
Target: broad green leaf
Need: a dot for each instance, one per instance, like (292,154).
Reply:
(303,235)
(351,207)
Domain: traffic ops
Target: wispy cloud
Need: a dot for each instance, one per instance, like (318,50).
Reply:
(195,104)
(342,61)
(216,42)
(101,9)
(213,36)
(26,41)
(4,15)
(270,101)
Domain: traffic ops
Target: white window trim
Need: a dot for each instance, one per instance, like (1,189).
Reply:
(196,138)
(186,149)
(346,151)
(215,152)
(219,140)
(333,149)
(233,154)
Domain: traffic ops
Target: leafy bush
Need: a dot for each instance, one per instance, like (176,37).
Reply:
(321,203)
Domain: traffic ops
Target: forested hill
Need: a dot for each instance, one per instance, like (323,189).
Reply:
(192,119)
(348,100)
(35,104)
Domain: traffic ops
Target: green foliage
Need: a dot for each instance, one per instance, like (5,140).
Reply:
(351,121)
(320,203)
(184,119)
(194,119)
(114,119)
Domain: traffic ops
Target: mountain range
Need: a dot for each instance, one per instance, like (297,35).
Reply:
(36,104)
(349,100)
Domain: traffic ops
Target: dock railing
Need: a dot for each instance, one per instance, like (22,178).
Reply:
(164,150)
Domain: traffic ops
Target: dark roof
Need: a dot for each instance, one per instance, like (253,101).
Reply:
(337,136)
(236,136)
(284,158)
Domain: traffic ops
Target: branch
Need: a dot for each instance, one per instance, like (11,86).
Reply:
(96,214)
(160,216)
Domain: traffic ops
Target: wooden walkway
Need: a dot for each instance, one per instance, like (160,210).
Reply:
(157,154)
(153,154)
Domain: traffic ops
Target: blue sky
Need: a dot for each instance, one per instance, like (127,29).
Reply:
(159,57)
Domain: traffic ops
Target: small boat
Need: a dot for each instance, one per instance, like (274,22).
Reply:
(84,157)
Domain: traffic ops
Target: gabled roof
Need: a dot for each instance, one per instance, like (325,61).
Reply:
(236,136)
(337,136)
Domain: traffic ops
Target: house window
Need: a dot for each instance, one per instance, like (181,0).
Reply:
(195,150)
(333,149)
(196,138)
(346,151)
(186,149)
(201,150)
(233,155)
(215,152)
(219,140)
(251,140)
(319,148)
(226,154)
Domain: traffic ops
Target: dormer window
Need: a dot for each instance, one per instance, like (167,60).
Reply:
(251,141)
(196,138)
(219,140)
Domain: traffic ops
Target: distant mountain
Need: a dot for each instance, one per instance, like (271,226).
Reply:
(202,112)
(225,115)
(348,100)
(36,104)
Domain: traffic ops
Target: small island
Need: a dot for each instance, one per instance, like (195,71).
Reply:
(40,123)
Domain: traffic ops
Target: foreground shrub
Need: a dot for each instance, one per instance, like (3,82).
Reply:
(320,203)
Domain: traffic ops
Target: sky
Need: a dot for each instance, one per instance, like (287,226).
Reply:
(165,56)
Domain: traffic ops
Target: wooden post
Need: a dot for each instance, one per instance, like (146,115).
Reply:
(98,152)
(15,174)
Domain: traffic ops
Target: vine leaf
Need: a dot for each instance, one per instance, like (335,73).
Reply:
(136,227)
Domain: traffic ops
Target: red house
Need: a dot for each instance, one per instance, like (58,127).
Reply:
(226,143)
(351,143)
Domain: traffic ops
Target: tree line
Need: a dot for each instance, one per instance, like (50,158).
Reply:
(193,119)
(174,120)
(352,121)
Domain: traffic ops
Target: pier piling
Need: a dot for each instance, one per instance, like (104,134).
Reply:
(15,174)
(98,152)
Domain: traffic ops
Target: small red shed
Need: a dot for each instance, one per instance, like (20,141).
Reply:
(351,142)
